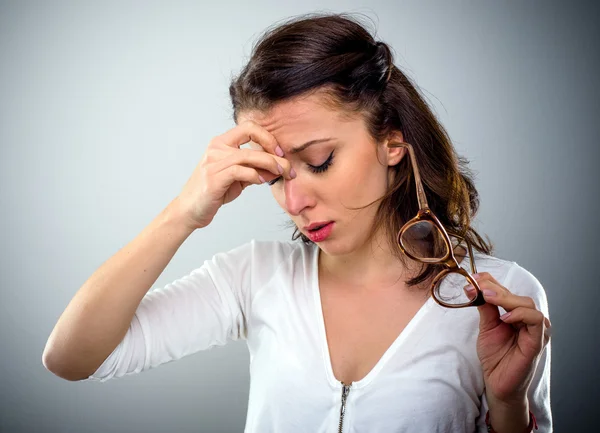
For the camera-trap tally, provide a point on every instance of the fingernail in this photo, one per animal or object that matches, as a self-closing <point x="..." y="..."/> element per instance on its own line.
<point x="262" y="179"/>
<point x="279" y="151"/>
<point x="280" y="168"/>
<point x="469" y="288"/>
<point x="292" y="174"/>
<point x="489" y="293"/>
<point x="505" y="315"/>
<point x="476" y="276"/>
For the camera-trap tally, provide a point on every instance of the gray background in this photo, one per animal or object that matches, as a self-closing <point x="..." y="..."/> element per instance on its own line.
<point x="107" y="107"/>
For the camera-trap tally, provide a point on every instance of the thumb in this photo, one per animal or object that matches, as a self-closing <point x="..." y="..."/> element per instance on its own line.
<point x="489" y="316"/>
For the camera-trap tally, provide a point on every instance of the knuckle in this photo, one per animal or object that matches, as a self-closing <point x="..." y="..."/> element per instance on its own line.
<point x="287" y="165"/>
<point x="209" y="157"/>
<point x="483" y="276"/>
<point x="535" y="315"/>
<point x="218" y="155"/>
<point x="284" y="163"/>
<point x="254" y="131"/>
<point x="486" y="284"/>
<point x="245" y="153"/>
<point x="517" y="312"/>
<point x="530" y="302"/>
<point x="247" y="123"/>
<point x="272" y="140"/>
<point x="216" y="141"/>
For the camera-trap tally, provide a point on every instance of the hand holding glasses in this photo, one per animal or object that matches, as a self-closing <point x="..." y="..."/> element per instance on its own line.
<point x="508" y="345"/>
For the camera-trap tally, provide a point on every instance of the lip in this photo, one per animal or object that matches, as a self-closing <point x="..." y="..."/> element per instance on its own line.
<point x="317" y="224"/>
<point x="321" y="234"/>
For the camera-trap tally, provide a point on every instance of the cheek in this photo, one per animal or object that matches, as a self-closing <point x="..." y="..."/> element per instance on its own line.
<point x="364" y="180"/>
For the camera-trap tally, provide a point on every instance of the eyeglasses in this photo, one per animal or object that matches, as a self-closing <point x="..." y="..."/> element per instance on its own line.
<point x="425" y="240"/>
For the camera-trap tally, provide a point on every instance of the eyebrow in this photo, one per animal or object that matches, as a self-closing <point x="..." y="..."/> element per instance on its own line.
<point x="308" y="144"/>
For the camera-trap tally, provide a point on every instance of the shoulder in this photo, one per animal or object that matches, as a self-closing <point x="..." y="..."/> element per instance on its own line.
<point x="263" y="250"/>
<point x="263" y="256"/>
<point x="514" y="277"/>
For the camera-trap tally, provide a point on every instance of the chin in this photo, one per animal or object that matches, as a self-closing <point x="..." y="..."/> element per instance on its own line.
<point x="341" y="244"/>
<point x="336" y="247"/>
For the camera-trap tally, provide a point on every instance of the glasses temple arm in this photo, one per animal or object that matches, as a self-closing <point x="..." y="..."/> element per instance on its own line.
<point x="413" y="159"/>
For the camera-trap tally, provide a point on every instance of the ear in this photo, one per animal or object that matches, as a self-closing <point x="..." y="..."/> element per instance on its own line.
<point x="395" y="154"/>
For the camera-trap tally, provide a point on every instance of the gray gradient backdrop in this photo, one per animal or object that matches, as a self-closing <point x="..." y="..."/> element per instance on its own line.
<point x="106" y="108"/>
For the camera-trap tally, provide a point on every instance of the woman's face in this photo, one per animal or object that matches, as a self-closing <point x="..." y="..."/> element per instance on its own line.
<point x="344" y="168"/>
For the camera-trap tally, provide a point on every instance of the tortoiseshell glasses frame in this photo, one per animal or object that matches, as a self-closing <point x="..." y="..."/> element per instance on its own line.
<point x="448" y="260"/>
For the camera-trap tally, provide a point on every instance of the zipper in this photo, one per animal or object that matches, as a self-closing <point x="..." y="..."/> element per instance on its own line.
<point x="345" y="392"/>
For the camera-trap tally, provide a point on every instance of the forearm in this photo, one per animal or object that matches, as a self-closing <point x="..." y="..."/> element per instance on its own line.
<point x="98" y="316"/>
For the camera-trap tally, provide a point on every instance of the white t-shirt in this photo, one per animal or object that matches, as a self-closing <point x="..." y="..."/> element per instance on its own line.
<point x="429" y="379"/>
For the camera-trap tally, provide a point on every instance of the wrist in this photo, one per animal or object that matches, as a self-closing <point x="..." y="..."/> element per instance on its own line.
<point x="176" y="214"/>
<point x="509" y="417"/>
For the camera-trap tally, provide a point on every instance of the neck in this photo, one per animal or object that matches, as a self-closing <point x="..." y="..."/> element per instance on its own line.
<point x="373" y="265"/>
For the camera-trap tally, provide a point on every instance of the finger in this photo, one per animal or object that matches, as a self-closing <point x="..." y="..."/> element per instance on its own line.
<point x="250" y="131"/>
<point x="241" y="174"/>
<point x="269" y="166"/>
<point x="547" y="330"/>
<point x="489" y="317"/>
<point x="486" y="276"/>
<point x="220" y="160"/>
<point x="262" y="160"/>
<point x="533" y="319"/>
<point x="526" y="315"/>
<point x="497" y="295"/>
<point x="489" y="314"/>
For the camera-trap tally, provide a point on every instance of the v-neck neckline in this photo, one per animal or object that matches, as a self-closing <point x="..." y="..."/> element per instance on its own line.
<point x="390" y="351"/>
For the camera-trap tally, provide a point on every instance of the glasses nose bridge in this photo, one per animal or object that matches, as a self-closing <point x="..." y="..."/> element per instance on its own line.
<point x="451" y="263"/>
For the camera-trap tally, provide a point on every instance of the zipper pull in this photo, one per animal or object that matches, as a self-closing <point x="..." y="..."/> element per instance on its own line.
<point x="345" y="392"/>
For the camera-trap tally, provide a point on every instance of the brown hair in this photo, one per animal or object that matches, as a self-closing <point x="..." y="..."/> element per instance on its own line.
<point x="337" y="55"/>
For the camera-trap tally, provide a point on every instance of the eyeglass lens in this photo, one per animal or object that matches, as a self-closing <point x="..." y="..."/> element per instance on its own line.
<point x="423" y="240"/>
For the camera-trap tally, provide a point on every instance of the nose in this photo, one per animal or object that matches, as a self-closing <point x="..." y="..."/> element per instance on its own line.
<point x="298" y="196"/>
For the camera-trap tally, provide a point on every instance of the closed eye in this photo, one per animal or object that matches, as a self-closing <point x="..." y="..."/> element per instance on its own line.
<point x="315" y="169"/>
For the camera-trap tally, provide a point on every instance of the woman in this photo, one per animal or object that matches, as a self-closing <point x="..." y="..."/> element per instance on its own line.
<point x="359" y="327"/>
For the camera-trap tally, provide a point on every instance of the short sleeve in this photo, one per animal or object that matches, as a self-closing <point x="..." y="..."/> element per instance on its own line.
<point x="197" y="312"/>
<point x="523" y="283"/>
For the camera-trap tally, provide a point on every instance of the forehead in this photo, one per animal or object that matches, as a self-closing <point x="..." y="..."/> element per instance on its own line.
<point x="303" y="118"/>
